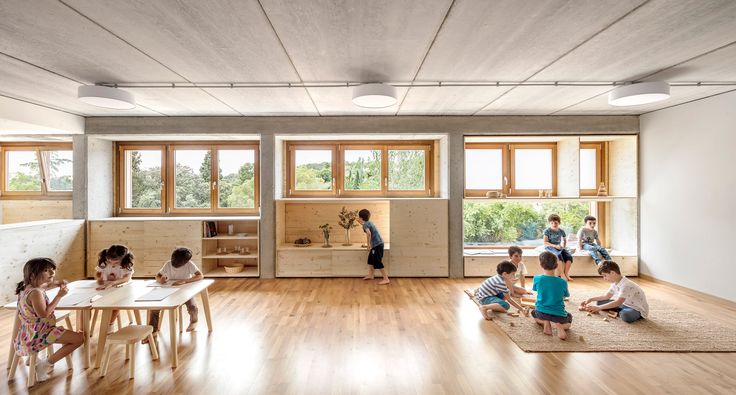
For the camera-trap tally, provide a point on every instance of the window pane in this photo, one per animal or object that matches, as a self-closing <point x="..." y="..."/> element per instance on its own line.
<point x="483" y="169"/>
<point x="143" y="179"/>
<point x="313" y="170"/>
<point x="236" y="178"/>
<point x="192" y="178"/>
<point x="23" y="174"/>
<point x="60" y="170"/>
<point x="363" y="170"/>
<point x="406" y="170"/>
<point x="533" y="168"/>
<point x="517" y="223"/>
<point x="588" y="169"/>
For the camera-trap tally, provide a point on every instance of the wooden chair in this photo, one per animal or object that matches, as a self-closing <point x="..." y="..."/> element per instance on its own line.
<point x="34" y="356"/>
<point x="129" y="336"/>
<point x="93" y="321"/>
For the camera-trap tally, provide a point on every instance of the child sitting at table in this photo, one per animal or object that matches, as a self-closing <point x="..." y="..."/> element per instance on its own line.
<point x="114" y="267"/>
<point x="180" y="270"/>
<point x="38" y="328"/>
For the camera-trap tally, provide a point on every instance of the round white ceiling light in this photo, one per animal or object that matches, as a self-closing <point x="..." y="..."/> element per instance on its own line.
<point x="107" y="97"/>
<point x="374" y="95"/>
<point x="640" y="93"/>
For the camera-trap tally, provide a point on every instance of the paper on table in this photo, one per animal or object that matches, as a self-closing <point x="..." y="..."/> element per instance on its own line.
<point x="154" y="283"/>
<point x="157" y="294"/>
<point x="75" y="299"/>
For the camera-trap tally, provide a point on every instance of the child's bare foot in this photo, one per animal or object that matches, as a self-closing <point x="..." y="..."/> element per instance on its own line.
<point x="487" y="314"/>
<point x="368" y="278"/>
<point x="547" y="328"/>
<point x="384" y="281"/>
<point x="569" y="279"/>
<point x="561" y="333"/>
<point x="192" y="326"/>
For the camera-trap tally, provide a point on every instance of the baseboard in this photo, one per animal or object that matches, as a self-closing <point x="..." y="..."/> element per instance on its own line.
<point x="711" y="298"/>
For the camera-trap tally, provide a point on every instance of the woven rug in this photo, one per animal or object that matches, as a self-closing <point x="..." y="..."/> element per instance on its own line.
<point x="668" y="329"/>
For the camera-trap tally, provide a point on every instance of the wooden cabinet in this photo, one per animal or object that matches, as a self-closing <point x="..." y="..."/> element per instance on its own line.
<point x="315" y="261"/>
<point x="239" y="248"/>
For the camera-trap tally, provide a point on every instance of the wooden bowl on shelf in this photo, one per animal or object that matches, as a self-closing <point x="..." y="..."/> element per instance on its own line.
<point x="232" y="269"/>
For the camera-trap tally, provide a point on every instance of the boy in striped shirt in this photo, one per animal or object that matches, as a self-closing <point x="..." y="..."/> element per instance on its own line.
<point x="493" y="294"/>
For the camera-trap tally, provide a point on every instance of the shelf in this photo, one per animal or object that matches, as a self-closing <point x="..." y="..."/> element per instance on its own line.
<point x="231" y="256"/>
<point x="254" y="237"/>
<point x="335" y="247"/>
<point x="248" y="271"/>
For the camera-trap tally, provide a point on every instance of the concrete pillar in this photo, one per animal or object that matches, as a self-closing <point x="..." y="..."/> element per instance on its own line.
<point x="267" y="250"/>
<point x="99" y="188"/>
<point x="456" y="175"/>
<point x="79" y="177"/>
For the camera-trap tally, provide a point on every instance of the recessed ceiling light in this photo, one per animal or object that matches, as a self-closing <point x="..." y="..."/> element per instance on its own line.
<point x="107" y="97"/>
<point x="374" y="95"/>
<point x="641" y="93"/>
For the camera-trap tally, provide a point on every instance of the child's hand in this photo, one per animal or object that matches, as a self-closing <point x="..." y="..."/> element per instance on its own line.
<point x="594" y="309"/>
<point x="100" y="281"/>
<point x="63" y="290"/>
<point x="180" y="282"/>
<point x="162" y="279"/>
<point x="584" y="303"/>
<point x="103" y="287"/>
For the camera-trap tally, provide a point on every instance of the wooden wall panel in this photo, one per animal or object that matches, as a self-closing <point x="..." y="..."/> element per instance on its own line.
<point x="419" y="234"/>
<point x="102" y="234"/>
<point x="63" y="241"/>
<point x="325" y="262"/>
<point x="302" y="219"/>
<point x="15" y="211"/>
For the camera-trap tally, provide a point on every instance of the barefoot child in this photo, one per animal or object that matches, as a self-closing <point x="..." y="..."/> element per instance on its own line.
<point x="114" y="267"/>
<point x="494" y="293"/>
<point x="515" y="258"/>
<point x="375" y="247"/>
<point x="623" y="296"/>
<point x="589" y="242"/>
<point x="551" y="291"/>
<point x="554" y="242"/>
<point x="38" y="328"/>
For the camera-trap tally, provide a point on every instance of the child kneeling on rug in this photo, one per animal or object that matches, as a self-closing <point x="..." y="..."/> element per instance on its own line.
<point x="624" y="296"/>
<point x="493" y="294"/>
<point x="551" y="292"/>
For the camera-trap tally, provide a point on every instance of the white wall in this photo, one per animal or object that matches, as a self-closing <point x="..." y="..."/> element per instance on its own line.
<point x="688" y="189"/>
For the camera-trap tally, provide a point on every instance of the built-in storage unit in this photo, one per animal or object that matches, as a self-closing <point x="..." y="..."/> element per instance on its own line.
<point x="414" y="232"/>
<point x="153" y="239"/>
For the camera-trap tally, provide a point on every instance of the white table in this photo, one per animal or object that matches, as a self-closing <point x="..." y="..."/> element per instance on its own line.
<point x="125" y="297"/>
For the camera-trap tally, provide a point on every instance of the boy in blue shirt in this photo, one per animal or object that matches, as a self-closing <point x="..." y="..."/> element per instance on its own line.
<point x="494" y="293"/>
<point x="551" y="292"/>
<point x="554" y="242"/>
<point x="375" y="247"/>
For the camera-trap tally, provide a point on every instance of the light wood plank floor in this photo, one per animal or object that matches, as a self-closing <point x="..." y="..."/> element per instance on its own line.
<point x="415" y="336"/>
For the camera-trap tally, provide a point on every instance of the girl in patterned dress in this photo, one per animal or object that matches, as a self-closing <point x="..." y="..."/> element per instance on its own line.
<point x="38" y="328"/>
<point x="114" y="267"/>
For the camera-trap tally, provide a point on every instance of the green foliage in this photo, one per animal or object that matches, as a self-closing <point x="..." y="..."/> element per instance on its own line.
<point x="516" y="222"/>
<point x="145" y="184"/>
<point x="406" y="170"/>
<point x="25" y="182"/>
<point x="314" y="176"/>
<point x="362" y="174"/>
<point x="30" y="181"/>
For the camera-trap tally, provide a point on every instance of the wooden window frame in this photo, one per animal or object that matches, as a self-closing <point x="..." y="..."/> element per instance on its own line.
<point x="601" y="165"/>
<point x="338" y="149"/>
<point x="168" y="151"/>
<point x="508" y="168"/>
<point x="44" y="193"/>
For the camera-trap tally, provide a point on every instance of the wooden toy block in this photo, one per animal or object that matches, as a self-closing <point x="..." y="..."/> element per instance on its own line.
<point x="513" y="314"/>
<point x="613" y="314"/>
<point x="605" y="319"/>
<point x="589" y="314"/>
<point x="527" y="304"/>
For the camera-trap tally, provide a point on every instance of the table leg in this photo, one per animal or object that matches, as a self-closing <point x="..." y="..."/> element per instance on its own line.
<point x="106" y="314"/>
<point x="85" y="314"/>
<point x="172" y="337"/>
<point x="137" y="314"/>
<point x="206" y="305"/>
<point x="16" y="327"/>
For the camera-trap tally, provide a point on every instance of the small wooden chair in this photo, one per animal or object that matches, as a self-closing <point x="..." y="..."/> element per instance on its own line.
<point x="34" y="356"/>
<point x="129" y="336"/>
<point x="93" y="321"/>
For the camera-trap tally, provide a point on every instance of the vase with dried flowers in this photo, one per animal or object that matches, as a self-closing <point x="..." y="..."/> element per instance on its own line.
<point x="326" y="228"/>
<point x="348" y="221"/>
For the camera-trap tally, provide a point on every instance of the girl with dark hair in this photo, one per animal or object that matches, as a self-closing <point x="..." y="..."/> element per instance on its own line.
<point x="38" y="328"/>
<point x="114" y="267"/>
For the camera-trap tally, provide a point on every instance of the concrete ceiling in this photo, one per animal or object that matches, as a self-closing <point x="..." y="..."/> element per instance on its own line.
<point x="48" y="48"/>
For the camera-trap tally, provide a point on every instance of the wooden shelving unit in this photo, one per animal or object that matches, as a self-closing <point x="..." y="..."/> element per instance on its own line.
<point x="245" y="235"/>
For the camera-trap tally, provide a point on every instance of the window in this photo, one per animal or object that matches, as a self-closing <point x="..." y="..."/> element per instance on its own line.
<point x="514" y="169"/>
<point x="37" y="171"/>
<point x="359" y="169"/>
<point x="592" y="168"/>
<point x="187" y="178"/>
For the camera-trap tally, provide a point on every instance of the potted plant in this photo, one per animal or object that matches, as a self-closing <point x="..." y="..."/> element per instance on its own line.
<point x="348" y="221"/>
<point x="326" y="228"/>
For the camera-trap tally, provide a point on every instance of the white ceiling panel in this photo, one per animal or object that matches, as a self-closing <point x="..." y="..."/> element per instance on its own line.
<point x="339" y="101"/>
<point x="362" y="41"/>
<point x="449" y="100"/>
<point x="510" y="39"/>
<point x="181" y="101"/>
<point x="25" y="82"/>
<point x="658" y="35"/>
<point x="50" y="35"/>
<point x="540" y="100"/>
<point x="267" y="102"/>
<point x="204" y="41"/>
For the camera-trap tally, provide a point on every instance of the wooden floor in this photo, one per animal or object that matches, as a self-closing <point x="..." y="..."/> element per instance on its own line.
<point x="415" y="336"/>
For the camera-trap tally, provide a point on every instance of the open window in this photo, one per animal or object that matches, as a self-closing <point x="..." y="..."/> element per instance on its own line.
<point x="37" y="171"/>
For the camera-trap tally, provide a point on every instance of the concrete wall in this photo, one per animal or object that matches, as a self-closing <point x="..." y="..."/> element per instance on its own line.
<point x="687" y="190"/>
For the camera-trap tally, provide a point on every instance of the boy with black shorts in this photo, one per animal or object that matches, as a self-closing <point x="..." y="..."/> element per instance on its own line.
<point x="375" y="247"/>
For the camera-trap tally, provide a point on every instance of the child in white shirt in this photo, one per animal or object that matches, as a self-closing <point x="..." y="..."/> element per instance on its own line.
<point x="623" y="296"/>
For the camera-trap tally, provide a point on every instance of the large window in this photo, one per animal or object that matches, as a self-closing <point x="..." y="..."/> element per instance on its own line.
<point x="37" y="171"/>
<point x="514" y="169"/>
<point x="592" y="168"/>
<point x="334" y="169"/>
<point x="187" y="178"/>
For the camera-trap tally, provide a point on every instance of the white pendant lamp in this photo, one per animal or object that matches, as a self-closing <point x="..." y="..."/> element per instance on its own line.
<point x="640" y="93"/>
<point x="107" y="97"/>
<point x="374" y="95"/>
